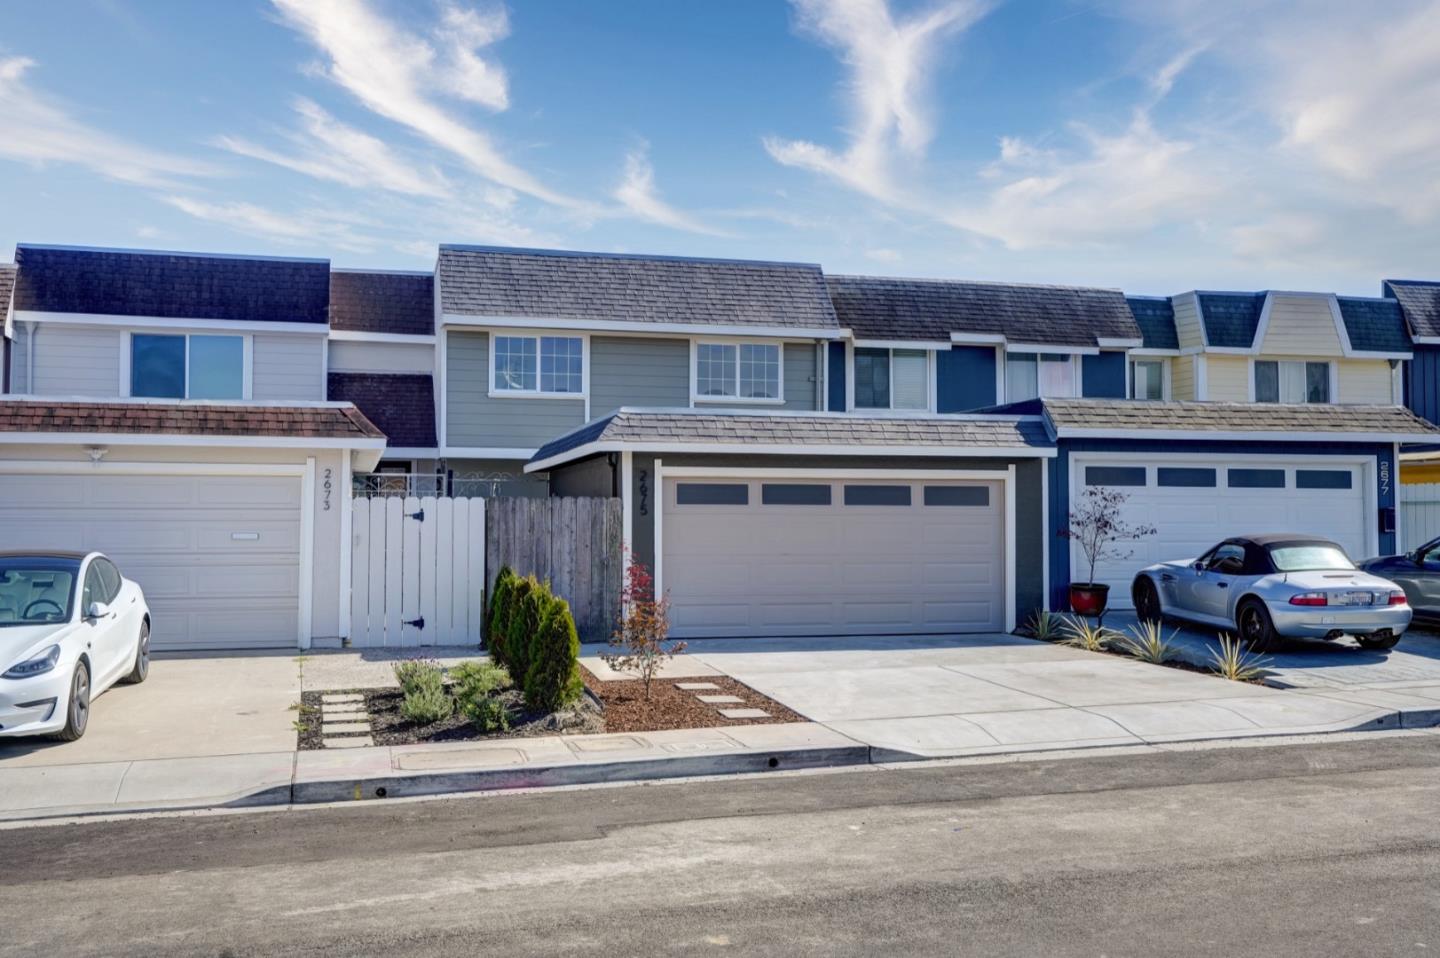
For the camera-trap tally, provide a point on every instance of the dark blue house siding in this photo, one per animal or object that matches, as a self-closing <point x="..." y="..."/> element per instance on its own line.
<point x="1102" y="376"/>
<point x="1058" y="498"/>
<point x="1422" y="382"/>
<point x="835" y="375"/>
<point x="965" y="378"/>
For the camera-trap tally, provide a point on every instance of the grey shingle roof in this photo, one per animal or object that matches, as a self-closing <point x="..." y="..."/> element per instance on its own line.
<point x="382" y="302"/>
<point x="1156" y="318"/>
<point x="1420" y="302"/>
<point x="876" y="307"/>
<point x="63" y="279"/>
<point x="1231" y="318"/>
<point x="401" y="406"/>
<point x="1128" y="417"/>
<point x="7" y="286"/>
<point x="1374" y="325"/>
<point x="552" y="284"/>
<point x="759" y="430"/>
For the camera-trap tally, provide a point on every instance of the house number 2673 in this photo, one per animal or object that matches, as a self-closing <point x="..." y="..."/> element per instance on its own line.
<point x="327" y="486"/>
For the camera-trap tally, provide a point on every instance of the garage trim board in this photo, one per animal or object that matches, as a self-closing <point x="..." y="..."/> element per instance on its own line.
<point x="1003" y="478"/>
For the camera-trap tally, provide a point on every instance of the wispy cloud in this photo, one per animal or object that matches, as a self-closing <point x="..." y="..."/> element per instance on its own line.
<point x="399" y="75"/>
<point x="40" y="131"/>
<point x="638" y="194"/>
<point x="890" y="63"/>
<point x="310" y="228"/>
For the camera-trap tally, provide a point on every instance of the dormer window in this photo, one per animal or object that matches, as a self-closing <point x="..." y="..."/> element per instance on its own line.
<point x="187" y="366"/>
<point x="1037" y="375"/>
<point x="892" y="378"/>
<point x="1283" y="381"/>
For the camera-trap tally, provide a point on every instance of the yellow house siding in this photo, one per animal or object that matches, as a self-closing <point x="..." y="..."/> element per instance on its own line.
<point x="1187" y="321"/>
<point x="1301" y="326"/>
<point x="1227" y="378"/>
<point x="1364" y="381"/>
<point x="1182" y="378"/>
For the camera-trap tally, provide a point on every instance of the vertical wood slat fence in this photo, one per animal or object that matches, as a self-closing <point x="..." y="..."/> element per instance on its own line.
<point x="1419" y="514"/>
<point x="576" y="543"/>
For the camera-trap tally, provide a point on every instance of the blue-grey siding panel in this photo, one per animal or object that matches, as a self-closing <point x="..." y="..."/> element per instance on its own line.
<point x="800" y="376"/>
<point x="638" y="371"/>
<point x="965" y="378"/>
<point x="474" y="418"/>
<point x="835" y="374"/>
<point x="1102" y="376"/>
<point x="1422" y="382"/>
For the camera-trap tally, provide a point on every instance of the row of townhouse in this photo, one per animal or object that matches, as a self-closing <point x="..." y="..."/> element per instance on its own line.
<point x="796" y="453"/>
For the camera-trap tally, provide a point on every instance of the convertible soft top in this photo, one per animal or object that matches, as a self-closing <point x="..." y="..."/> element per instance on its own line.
<point x="1282" y="538"/>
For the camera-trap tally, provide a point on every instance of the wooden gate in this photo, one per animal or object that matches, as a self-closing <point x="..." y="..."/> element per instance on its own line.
<point x="1419" y="514"/>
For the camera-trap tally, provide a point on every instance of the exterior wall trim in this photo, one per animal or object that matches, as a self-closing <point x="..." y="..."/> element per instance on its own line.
<point x="671" y="329"/>
<point x="753" y="449"/>
<point x="166" y="322"/>
<point x="359" y="336"/>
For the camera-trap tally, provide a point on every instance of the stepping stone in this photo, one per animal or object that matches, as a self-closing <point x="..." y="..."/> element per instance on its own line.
<point x="342" y="728"/>
<point x="345" y="708"/>
<point x="336" y="699"/>
<point x="354" y="741"/>
<point x="719" y="699"/>
<point x="744" y="713"/>
<point x="696" y="686"/>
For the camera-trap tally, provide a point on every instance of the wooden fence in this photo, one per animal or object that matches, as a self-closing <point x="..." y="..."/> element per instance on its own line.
<point x="575" y="543"/>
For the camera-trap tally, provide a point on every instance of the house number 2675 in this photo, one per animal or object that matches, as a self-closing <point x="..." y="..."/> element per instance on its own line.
<point x="327" y="486"/>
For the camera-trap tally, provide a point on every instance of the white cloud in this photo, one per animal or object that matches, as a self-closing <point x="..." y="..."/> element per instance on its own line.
<point x="327" y="149"/>
<point x="311" y="228"/>
<point x="889" y="62"/>
<point x="883" y="255"/>
<point x="470" y="77"/>
<point x="39" y="131"/>
<point x="638" y="194"/>
<point x="393" y="72"/>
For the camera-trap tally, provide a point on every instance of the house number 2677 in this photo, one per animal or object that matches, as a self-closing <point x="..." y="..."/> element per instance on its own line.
<point x="327" y="486"/>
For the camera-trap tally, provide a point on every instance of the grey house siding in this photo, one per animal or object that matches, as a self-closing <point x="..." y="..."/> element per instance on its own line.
<point x="589" y="477"/>
<point x="638" y="371"/>
<point x="474" y="419"/>
<point x="76" y="361"/>
<point x="287" y="367"/>
<point x="19" y="350"/>
<point x="800" y="376"/>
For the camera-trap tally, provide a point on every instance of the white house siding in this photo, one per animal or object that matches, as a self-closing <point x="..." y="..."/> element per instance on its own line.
<point x="638" y="371"/>
<point x="365" y="357"/>
<point x="1301" y="326"/>
<point x="1227" y="378"/>
<point x="476" y="419"/>
<point x="288" y="367"/>
<point x="1187" y="321"/>
<point x="76" y="360"/>
<point x="800" y="376"/>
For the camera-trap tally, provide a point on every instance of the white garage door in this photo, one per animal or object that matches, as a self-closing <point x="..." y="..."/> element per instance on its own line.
<point x="217" y="556"/>
<point x="761" y="557"/>
<point x="1193" y="504"/>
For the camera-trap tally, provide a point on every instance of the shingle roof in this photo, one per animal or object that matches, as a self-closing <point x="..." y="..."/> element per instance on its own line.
<point x="1231" y="318"/>
<point x="382" y="302"/>
<point x="7" y="286"/>
<point x="1374" y="325"/>
<point x="876" y="307"/>
<point x="198" y="419"/>
<point x="62" y="279"/>
<point x="758" y="430"/>
<point x="1156" y="318"/>
<point x="550" y="284"/>
<point x="1128" y="417"/>
<point x="402" y="406"/>
<point x="1420" y="302"/>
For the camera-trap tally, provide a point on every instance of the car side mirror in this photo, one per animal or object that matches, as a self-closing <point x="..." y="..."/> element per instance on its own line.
<point x="1199" y="567"/>
<point x="97" y="610"/>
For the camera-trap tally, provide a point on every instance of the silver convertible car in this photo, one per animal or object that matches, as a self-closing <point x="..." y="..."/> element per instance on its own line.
<point x="1266" y="586"/>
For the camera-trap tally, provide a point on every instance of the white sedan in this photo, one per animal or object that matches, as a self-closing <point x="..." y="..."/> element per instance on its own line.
<point x="71" y="626"/>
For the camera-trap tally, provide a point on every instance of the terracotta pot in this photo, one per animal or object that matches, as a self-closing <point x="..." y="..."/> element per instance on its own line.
<point x="1089" y="598"/>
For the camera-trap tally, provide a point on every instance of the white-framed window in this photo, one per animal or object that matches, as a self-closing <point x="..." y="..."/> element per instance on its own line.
<point x="738" y="372"/>
<point x="891" y="378"/>
<point x="1037" y="375"/>
<point x="533" y="365"/>
<point x="187" y="366"/>
<point x="1291" y="381"/>
<point x="1147" y="379"/>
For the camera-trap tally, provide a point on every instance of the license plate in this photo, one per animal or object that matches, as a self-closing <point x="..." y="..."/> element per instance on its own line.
<point x="1355" y="598"/>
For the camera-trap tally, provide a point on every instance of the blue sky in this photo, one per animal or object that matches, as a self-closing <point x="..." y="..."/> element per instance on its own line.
<point x="1154" y="145"/>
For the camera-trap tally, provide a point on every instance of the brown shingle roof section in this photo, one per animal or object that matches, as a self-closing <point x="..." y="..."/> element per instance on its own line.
<point x="402" y="406"/>
<point x="7" y="286"/>
<point x="878" y="307"/>
<point x="1122" y="416"/>
<point x="382" y="302"/>
<point x="556" y="284"/>
<point x="189" y="419"/>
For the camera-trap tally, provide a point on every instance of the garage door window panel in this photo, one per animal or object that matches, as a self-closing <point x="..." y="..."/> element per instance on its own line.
<point x="712" y="494"/>
<point x="866" y="495"/>
<point x="957" y="496"/>
<point x="794" y="494"/>
<point x="1323" y="479"/>
<point x="1256" y="478"/>
<point x="1185" y="477"/>
<point x="1114" y="475"/>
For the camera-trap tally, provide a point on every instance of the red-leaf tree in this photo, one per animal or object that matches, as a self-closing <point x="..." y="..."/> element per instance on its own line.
<point x="640" y="635"/>
<point x="1096" y="523"/>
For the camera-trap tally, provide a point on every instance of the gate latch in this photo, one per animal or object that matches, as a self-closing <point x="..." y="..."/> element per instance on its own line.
<point x="418" y="515"/>
<point x="417" y="623"/>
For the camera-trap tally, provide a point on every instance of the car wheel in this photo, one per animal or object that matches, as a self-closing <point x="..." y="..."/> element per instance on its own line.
<point x="142" y="657"/>
<point x="1377" y="641"/>
<point x="77" y="711"/>
<point x="1256" y="628"/>
<point x="1147" y="602"/>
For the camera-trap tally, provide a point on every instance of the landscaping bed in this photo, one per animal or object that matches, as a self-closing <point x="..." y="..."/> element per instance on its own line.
<point x="670" y="707"/>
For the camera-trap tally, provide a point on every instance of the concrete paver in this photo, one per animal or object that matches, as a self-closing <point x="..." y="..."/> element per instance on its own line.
<point x="852" y="694"/>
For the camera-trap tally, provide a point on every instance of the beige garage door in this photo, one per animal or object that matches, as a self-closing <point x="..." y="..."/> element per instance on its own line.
<point x="217" y="556"/>
<point x="761" y="557"/>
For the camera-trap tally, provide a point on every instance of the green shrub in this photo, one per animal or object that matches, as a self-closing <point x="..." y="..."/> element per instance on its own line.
<point x="486" y="713"/>
<point x="531" y="601"/>
<point x="478" y="678"/>
<point x="497" y="616"/>
<point x="1043" y="625"/>
<point x="410" y="673"/>
<point x="427" y="701"/>
<point x="553" y="679"/>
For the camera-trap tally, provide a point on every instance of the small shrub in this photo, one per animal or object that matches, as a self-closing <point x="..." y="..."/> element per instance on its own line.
<point x="1043" y="625"/>
<point x="1233" y="662"/>
<point x="644" y="624"/>
<point x="529" y="603"/>
<point x="486" y="713"/>
<point x="1148" y="643"/>
<point x="497" y="616"/>
<point x="411" y="673"/>
<point x="478" y="679"/>
<point x="1081" y="634"/>
<point x="427" y="701"/>
<point x="553" y="680"/>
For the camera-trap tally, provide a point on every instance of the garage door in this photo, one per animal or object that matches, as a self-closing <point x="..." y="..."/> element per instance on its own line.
<point x="761" y="557"/>
<point x="1195" y="503"/>
<point x="217" y="556"/>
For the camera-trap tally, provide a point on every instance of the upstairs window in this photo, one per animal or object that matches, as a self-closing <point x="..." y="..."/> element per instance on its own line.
<point x="892" y="378"/>
<point x="742" y="371"/>
<point x="1284" y="381"/>
<point x="187" y="367"/>
<point x="539" y="365"/>
<point x="1037" y="375"/>
<point x="1147" y="379"/>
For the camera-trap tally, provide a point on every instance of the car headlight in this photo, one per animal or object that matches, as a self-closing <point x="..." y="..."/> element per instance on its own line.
<point x="35" y="665"/>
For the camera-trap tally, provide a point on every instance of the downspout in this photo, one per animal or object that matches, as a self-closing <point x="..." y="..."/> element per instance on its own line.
<point x="821" y="371"/>
<point x="30" y="357"/>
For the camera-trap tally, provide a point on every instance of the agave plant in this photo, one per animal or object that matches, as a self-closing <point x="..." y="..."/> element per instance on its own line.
<point x="1082" y="634"/>
<point x="1233" y="662"/>
<point x="1044" y="626"/>
<point x="1148" y="643"/>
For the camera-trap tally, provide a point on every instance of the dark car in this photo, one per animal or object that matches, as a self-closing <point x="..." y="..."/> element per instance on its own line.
<point x="1418" y="573"/>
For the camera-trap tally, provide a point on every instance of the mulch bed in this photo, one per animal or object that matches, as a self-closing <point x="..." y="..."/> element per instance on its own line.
<point x="669" y="707"/>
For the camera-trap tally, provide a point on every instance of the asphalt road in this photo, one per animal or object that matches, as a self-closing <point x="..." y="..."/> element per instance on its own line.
<point x="1306" y="850"/>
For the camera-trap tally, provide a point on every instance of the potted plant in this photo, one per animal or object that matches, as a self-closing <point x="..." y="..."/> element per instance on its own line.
<point x="1096" y="524"/>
